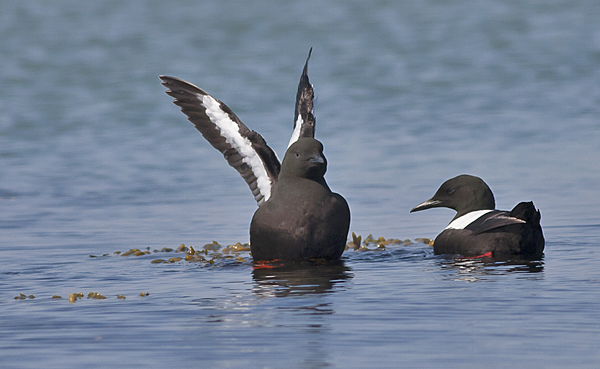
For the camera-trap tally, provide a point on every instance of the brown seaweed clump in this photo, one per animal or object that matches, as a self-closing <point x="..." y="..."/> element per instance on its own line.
<point x="371" y="243"/>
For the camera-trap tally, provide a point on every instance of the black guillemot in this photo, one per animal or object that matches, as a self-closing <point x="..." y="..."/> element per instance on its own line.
<point x="478" y="229"/>
<point x="298" y="216"/>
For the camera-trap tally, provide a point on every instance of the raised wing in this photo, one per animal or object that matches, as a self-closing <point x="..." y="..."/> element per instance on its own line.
<point x="493" y="219"/>
<point x="244" y="149"/>
<point x="304" y="120"/>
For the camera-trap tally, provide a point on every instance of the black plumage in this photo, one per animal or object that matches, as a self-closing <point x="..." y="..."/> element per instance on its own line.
<point x="303" y="219"/>
<point x="298" y="216"/>
<point x="478" y="229"/>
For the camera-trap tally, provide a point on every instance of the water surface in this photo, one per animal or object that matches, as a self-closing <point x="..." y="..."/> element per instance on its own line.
<point x="96" y="159"/>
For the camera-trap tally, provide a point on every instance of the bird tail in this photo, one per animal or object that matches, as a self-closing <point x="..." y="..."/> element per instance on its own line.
<point x="526" y="211"/>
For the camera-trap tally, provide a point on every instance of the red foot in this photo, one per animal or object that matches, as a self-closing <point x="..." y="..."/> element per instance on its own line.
<point x="267" y="264"/>
<point x="486" y="255"/>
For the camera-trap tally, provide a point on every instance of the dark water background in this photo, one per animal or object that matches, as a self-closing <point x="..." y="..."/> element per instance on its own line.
<point x="95" y="159"/>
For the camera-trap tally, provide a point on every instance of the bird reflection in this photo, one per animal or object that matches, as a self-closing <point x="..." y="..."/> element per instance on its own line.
<point x="299" y="278"/>
<point x="472" y="270"/>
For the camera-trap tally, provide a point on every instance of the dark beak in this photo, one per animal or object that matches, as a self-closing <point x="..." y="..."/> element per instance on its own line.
<point x="317" y="159"/>
<point x="431" y="203"/>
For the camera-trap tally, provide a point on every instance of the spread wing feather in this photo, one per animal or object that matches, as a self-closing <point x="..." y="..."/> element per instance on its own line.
<point x="304" y="119"/>
<point x="244" y="149"/>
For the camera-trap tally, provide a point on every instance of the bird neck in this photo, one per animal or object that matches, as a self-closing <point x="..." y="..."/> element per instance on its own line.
<point x="286" y="180"/>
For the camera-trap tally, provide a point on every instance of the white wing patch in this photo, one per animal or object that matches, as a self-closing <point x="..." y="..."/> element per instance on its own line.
<point x="465" y="220"/>
<point x="230" y="130"/>
<point x="296" y="132"/>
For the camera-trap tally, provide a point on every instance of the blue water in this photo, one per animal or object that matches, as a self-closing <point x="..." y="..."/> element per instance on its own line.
<point x="95" y="159"/>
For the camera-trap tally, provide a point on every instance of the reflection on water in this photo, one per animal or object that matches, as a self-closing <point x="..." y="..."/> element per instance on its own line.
<point x="473" y="270"/>
<point x="296" y="279"/>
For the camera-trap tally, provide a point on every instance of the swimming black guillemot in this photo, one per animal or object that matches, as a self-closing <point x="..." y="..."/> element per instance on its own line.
<point x="480" y="230"/>
<point x="298" y="216"/>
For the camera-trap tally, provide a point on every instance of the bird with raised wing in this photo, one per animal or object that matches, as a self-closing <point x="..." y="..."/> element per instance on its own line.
<point x="298" y="216"/>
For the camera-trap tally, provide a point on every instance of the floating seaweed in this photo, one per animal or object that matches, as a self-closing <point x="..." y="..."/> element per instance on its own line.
<point x="371" y="243"/>
<point x="427" y="241"/>
<point x="135" y="252"/>
<point x="75" y="296"/>
<point x="22" y="296"/>
<point x="215" y="254"/>
<point x="95" y="295"/>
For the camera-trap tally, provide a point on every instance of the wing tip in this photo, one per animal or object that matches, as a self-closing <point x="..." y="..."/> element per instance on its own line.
<point x="180" y="85"/>
<point x="164" y="79"/>
<point x="307" y="59"/>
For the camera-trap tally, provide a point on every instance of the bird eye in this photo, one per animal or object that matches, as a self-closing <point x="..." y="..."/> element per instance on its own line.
<point x="451" y="191"/>
<point x="297" y="154"/>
